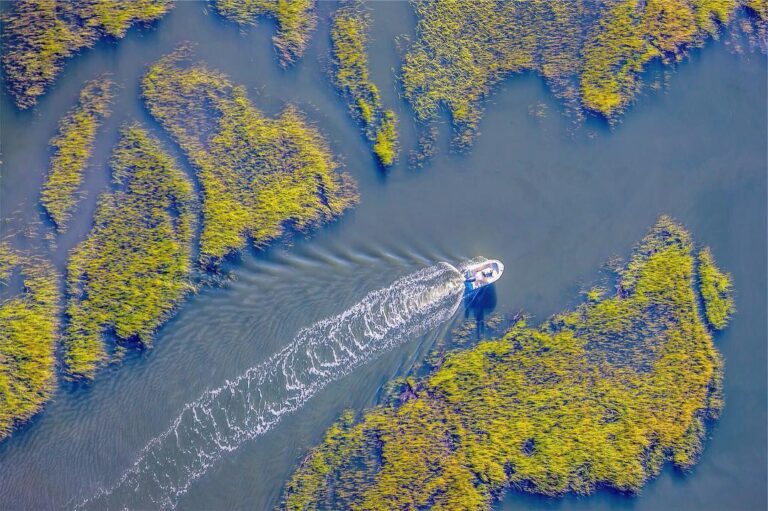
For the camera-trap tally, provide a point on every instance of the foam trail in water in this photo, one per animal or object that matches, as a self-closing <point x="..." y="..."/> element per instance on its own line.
<point x="244" y="408"/>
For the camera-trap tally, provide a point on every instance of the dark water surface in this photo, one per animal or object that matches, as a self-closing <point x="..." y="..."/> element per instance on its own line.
<point x="555" y="206"/>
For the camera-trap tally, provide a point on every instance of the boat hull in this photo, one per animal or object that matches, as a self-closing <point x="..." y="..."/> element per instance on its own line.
<point x="480" y="275"/>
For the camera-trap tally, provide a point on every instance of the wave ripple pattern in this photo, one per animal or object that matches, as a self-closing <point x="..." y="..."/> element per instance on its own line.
<point x="251" y="404"/>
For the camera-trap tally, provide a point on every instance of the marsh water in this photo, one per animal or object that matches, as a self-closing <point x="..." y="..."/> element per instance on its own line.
<point x="552" y="202"/>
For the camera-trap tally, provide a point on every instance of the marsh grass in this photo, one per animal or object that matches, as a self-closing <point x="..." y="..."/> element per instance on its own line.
<point x="296" y="21"/>
<point x="258" y="175"/>
<point x="72" y="150"/>
<point x="133" y="269"/>
<point x="29" y="324"/>
<point x="590" y="53"/>
<point x="349" y="38"/>
<point x="716" y="289"/>
<point x="39" y="34"/>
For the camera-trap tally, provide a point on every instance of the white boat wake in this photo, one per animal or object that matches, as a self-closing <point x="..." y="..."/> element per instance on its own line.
<point x="251" y="404"/>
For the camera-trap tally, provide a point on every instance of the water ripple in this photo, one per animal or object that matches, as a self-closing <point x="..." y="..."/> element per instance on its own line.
<point x="246" y="407"/>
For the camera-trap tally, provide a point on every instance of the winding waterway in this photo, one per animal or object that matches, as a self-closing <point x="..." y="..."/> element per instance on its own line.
<point x="552" y="203"/>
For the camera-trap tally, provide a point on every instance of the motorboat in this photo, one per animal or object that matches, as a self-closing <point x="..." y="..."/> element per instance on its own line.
<point x="479" y="275"/>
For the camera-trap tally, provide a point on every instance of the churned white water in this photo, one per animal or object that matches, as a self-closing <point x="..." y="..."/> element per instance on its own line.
<point x="222" y="419"/>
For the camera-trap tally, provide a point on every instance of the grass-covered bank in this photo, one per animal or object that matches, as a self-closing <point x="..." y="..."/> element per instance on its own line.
<point x="349" y="38"/>
<point x="39" y="34"/>
<point x="29" y="324"/>
<point x="258" y="175"/>
<point x="590" y="53"/>
<point x="296" y="21"/>
<point x="604" y="395"/>
<point x="72" y="150"/>
<point x="133" y="269"/>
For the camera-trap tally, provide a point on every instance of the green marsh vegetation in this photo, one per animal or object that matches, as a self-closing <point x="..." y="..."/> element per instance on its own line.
<point x="716" y="291"/>
<point x="29" y="324"/>
<point x="349" y="36"/>
<point x="39" y="34"/>
<point x="296" y="20"/>
<point x="601" y="396"/>
<point x="258" y="175"/>
<point x="590" y="53"/>
<point x="72" y="150"/>
<point x="134" y="267"/>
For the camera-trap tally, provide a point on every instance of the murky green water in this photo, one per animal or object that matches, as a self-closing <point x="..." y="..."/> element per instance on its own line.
<point x="555" y="206"/>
